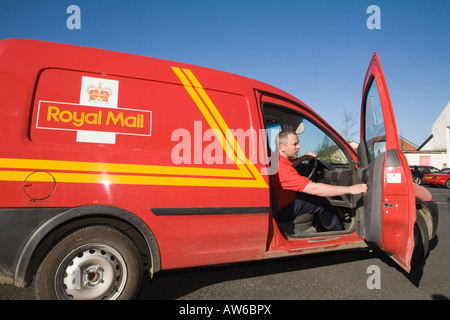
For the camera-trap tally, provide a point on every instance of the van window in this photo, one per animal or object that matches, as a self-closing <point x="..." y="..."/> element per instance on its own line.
<point x="311" y="137"/>
<point x="273" y="129"/>
<point x="375" y="132"/>
<point x="315" y="140"/>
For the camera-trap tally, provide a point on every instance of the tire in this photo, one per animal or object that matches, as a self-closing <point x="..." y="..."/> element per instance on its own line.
<point x="417" y="180"/>
<point x="447" y="184"/>
<point x="92" y="263"/>
<point x="421" y="241"/>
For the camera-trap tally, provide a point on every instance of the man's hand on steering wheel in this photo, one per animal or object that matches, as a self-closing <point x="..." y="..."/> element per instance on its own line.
<point x="307" y="170"/>
<point x="307" y="157"/>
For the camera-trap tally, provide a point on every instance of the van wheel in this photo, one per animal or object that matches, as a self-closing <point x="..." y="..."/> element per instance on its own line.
<point x="95" y="262"/>
<point x="421" y="241"/>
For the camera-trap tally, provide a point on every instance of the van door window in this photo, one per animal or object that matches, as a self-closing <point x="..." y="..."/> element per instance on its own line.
<point x="311" y="137"/>
<point x="315" y="140"/>
<point x="375" y="132"/>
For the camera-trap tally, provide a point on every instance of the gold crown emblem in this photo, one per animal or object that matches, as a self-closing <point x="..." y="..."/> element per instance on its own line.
<point x="99" y="93"/>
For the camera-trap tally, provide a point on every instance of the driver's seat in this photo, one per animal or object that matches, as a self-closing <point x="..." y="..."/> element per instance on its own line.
<point x="301" y="224"/>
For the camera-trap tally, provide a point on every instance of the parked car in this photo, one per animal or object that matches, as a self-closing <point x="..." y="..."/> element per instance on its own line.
<point x="419" y="171"/>
<point x="438" y="178"/>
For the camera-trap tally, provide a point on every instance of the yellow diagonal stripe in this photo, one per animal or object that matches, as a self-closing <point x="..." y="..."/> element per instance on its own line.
<point x="215" y="120"/>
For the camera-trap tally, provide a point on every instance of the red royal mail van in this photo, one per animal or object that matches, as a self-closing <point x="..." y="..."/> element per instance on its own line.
<point x="113" y="165"/>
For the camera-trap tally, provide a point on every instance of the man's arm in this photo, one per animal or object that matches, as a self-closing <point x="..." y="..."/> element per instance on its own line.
<point x="327" y="190"/>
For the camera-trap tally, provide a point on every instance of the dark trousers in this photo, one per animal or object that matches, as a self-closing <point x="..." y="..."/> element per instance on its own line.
<point x="325" y="215"/>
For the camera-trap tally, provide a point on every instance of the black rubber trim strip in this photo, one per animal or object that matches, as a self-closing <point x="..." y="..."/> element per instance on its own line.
<point x="209" y="211"/>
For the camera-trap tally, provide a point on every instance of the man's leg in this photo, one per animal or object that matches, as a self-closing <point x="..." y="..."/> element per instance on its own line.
<point x="325" y="215"/>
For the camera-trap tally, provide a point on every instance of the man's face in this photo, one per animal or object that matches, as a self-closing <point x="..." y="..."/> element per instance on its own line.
<point x="290" y="150"/>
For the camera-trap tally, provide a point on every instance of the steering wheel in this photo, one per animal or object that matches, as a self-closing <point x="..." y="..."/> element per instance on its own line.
<point x="313" y="164"/>
<point x="310" y="169"/>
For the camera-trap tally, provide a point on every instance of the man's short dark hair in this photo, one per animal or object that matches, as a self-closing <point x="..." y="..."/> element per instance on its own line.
<point x="283" y="137"/>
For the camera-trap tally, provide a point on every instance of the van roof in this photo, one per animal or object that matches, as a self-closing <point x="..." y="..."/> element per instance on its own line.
<point x="13" y="53"/>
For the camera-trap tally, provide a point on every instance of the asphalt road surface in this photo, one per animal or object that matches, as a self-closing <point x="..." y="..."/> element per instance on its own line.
<point x="340" y="275"/>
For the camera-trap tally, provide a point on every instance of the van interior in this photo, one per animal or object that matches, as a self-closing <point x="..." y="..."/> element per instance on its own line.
<point x="333" y="165"/>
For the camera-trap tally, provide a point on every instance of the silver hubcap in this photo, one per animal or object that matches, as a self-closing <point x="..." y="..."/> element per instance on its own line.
<point x="93" y="271"/>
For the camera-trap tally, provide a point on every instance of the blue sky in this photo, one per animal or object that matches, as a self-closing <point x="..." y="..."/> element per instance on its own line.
<point x="316" y="50"/>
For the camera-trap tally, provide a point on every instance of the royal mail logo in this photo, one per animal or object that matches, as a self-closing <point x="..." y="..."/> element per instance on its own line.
<point x="75" y="117"/>
<point x="97" y="93"/>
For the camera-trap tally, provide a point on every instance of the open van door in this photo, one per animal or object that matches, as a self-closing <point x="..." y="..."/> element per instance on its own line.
<point x="388" y="215"/>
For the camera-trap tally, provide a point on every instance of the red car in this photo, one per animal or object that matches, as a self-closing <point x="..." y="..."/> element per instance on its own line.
<point x="114" y="165"/>
<point x="439" y="178"/>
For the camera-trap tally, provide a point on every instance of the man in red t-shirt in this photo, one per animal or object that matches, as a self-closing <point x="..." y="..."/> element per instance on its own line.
<point x="297" y="195"/>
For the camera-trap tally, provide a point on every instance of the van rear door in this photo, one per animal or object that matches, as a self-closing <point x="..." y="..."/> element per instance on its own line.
<point x="388" y="216"/>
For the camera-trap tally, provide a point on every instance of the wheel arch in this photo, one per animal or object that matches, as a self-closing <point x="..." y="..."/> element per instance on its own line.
<point x="428" y="210"/>
<point x="72" y="219"/>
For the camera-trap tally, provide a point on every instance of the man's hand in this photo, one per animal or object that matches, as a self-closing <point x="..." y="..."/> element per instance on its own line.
<point x="357" y="189"/>
<point x="306" y="157"/>
<point x="310" y="155"/>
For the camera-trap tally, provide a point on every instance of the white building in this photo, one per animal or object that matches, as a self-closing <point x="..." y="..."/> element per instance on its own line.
<point x="434" y="151"/>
